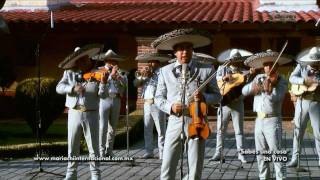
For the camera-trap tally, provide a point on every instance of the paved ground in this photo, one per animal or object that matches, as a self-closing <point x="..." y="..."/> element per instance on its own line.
<point x="150" y="168"/>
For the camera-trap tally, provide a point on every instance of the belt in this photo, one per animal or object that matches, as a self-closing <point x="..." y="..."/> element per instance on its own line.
<point x="82" y="108"/>
<point x="148" y="101"/>
<point x="114" y="95"/>
<point x="262" y="115"/>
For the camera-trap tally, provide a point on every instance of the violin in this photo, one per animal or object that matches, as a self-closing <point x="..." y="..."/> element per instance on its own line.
<point x="269" y="82"/>
<point x="198" y="127"/>
<point x="97" y="75"/>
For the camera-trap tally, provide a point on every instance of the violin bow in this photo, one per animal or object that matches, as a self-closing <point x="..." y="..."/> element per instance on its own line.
<point x="317" y="23"/>
<point x="283" y="48"/>
<point x="207" y="81"/>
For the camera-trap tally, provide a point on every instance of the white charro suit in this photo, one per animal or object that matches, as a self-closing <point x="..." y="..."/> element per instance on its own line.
<point x="109" y="112"/>
<point x="307" y="107"/>
<point x="169" y="92"/>
<point x="152" y="114"/>
<point x="268" y="127"/>
<point x="86" y="121"/>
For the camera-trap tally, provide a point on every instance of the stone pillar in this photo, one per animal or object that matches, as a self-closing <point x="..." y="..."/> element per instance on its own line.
<point x="143" y="46"/>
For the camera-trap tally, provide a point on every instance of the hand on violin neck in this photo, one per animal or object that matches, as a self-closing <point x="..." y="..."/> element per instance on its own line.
<point x="267" y="85"/>
<point x="256" y="89"/>
<point x="114" y="71"/>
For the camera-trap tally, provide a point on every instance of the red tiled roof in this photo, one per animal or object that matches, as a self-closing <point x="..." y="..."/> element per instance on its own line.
<point x="160" y="11"/>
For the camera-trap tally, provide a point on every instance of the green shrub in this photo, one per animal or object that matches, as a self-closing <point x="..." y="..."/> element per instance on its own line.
<point x="51" y="104"/>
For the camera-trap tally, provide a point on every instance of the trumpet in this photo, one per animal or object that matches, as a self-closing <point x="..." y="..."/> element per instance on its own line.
<point x="143" y="74"/>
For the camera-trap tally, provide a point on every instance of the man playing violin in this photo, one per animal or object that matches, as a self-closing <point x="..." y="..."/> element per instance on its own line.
<point x="152" y="115"/>
<point x="235" y="107"/>
<point x="268" y="90"/>
<point x="307" y="73"/>
<point x="83" y="103"/>
<point x="169" y="93"/>
<point x="109" y="108"/>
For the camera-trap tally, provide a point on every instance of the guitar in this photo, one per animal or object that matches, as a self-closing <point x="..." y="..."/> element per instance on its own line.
<point x="232" y="89"/>
<point x="225" y="86"/>
<point x="299" y="89"/>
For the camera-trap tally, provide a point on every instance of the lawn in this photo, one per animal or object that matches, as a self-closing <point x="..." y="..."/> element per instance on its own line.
<point x="18" y="132"/>
<point x="17" y="140"/>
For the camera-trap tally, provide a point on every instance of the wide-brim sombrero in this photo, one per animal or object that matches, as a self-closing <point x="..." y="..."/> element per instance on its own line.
<point x="88" y="50"/>
<point x="146" y="57"/>
<point x="204" y="58"/>
<point x="234" y="55"/>
<point x="309" y="56"/>
<point x="257" y="60"/>
<point x="200" y="57"/>
<point x="198" y="38"/>
<point x="109" y="55"/>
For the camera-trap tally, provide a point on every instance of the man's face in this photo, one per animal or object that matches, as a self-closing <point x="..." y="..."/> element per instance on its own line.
<point x="84" y="64"/>
<point x="110" y="62"/>
<point x="154" y="64"/>
<point x="183" y="52"/>
<point x="267" y="67"/>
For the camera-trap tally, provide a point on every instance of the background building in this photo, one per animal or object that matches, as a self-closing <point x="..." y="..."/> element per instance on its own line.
<point x="128" y="27"/>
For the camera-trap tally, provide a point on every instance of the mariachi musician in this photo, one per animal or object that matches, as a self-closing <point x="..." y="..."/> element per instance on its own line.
<point x="268" y="90"/>
<point x="185" y="72"/>
<point x="306" y="77"/>
<point x="148" y="78"/>
<point x="83" y="104"/>
<point x="109" y="108"/>
<point x="226" y="78"/>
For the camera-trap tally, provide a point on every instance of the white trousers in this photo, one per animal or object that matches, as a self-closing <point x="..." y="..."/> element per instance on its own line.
<point x="153" y="116"/>
<point x="88" y="123"/>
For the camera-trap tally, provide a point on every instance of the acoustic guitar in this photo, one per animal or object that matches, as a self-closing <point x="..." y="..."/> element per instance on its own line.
<point x="232" y="89"/>
<point x="226" y="86"/>
<point x="299" y="89"/>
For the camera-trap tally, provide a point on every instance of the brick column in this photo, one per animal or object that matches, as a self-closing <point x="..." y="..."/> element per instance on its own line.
<point x="143" y="46"/>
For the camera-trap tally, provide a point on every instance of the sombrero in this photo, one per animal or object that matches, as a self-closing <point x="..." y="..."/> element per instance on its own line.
<point x="309" y="56"/>
<point x="167" y="41"/>
<point x="234" y="55"/>
<point x="204" y="58"/>
<point x="257" y="60"/>
<point x="145" y="57"/>
<point x="199" y="57"/>
<point x="109" y="55"/>
<point x="88" y="50"/>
